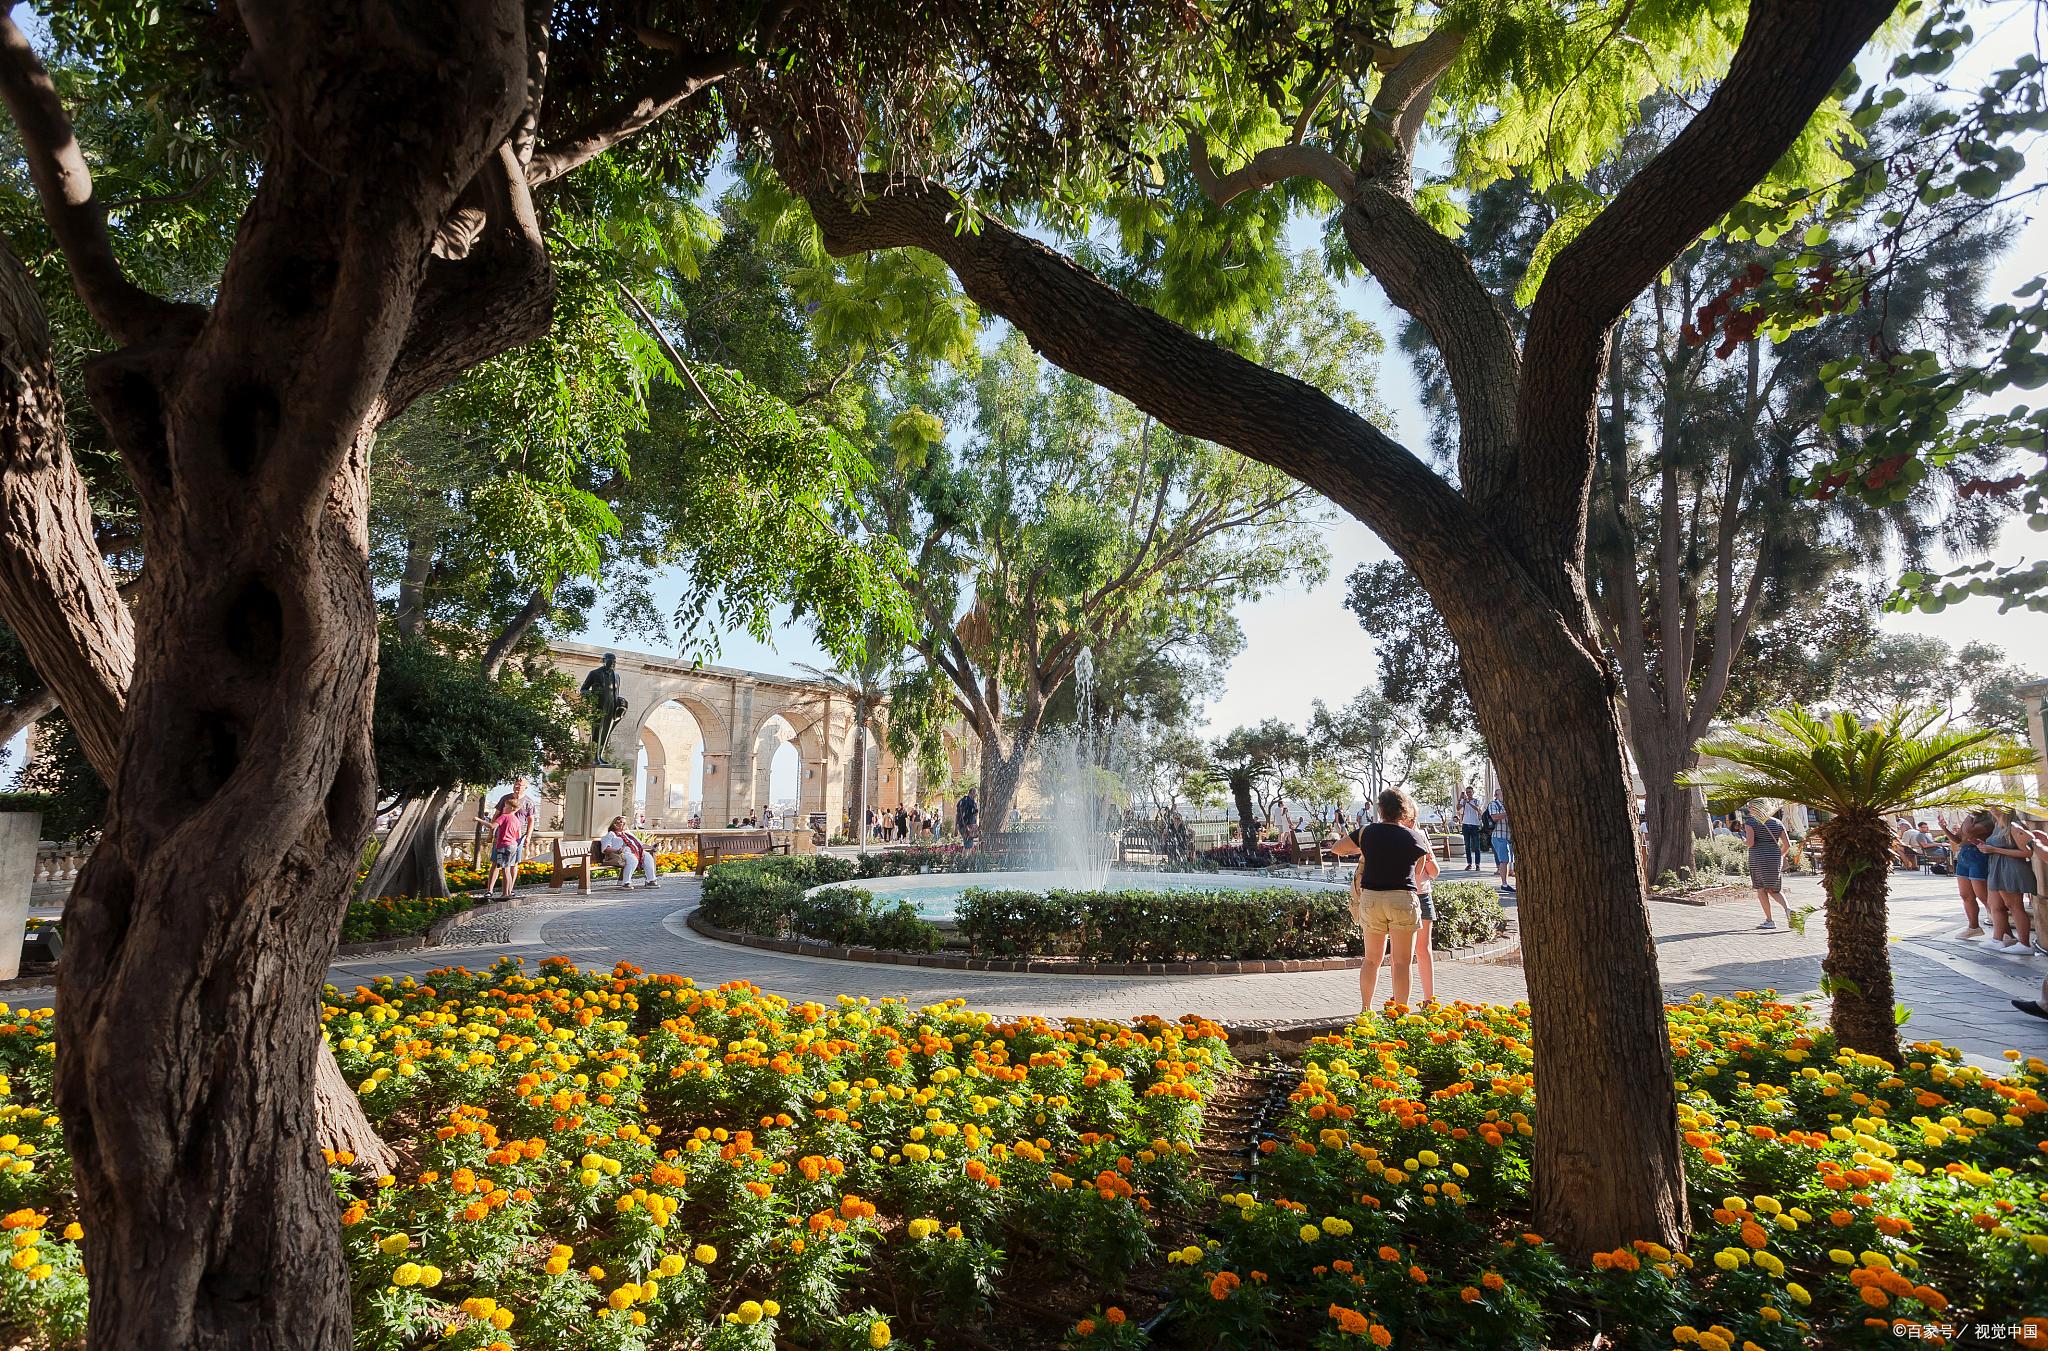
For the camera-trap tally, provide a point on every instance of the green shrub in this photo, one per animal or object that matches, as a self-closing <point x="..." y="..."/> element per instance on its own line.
<point x="1160" y="926"/>
<point x="1015" y="923"/>
<point x="766" y="896"/>
<point x="1719" y="854"/>
<point x="1467" y="914"/>
<point x="28" y="802"/>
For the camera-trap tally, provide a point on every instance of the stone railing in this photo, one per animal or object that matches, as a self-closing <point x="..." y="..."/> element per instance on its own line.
<point x="57" y="864"/>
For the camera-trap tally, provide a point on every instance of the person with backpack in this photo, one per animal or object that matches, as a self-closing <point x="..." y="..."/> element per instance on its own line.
<point x="966" y="817"/>
<point x="1502" y="843"/>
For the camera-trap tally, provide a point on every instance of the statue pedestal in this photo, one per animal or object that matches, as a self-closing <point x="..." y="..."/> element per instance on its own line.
<point x="594" y="796"/>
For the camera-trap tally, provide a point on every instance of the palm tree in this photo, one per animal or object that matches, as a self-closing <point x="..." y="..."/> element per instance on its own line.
<point x="862" y="680"/>
<point x="1907" y="761"/>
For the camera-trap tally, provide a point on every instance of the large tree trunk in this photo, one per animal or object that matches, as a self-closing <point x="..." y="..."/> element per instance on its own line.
<point x="410" y="864"/>
<point x="57" y="593"/>
<point x="1607" y="1168"/>
<point x="187" y="1030"/>
<point x="1002" y="774"/>
<point x="857" y="808"/>
<point x="1858" y="965"/>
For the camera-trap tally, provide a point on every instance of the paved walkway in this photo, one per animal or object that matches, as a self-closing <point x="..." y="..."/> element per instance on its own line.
<point x="1958" y="991"/>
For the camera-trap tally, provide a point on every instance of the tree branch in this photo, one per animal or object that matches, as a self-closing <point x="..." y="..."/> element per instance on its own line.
<point x="56" y="591"/>
<point x="1190" y="384"/>
<point x="64" y="188"/>
<point x="1274" y="164"/>
<point x="26" y="712"/>
<point x="1791" y="54"/>
<point x="674" y="84"/>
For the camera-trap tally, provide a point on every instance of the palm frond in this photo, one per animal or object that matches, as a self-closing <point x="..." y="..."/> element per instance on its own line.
<point x="1909" y="760"/>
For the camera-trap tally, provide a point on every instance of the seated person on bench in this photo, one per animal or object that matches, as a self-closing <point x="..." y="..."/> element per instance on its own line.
<point x="623" y="848"/>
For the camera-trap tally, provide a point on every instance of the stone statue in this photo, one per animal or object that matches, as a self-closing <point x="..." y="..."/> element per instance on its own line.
<point x="601" y="688"/>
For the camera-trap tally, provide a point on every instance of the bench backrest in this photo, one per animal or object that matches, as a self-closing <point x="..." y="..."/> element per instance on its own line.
<point x="759" y="843"/>
<point x="566" y="849"/>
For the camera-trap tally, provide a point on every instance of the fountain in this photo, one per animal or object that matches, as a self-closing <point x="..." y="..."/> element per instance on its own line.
<point x="1078" y="774"/>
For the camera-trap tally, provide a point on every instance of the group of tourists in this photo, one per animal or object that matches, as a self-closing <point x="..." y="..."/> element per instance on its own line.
<point x="2001" y="871"/>
<point x="903" y="824"/>
<point x="1486" y="830"/>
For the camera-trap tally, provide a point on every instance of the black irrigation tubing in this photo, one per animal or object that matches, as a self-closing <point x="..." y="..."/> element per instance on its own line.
<point x="1279" y="1079"/>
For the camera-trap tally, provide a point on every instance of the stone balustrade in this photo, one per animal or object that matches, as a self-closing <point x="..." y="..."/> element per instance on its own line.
<point x="57" y="863"/>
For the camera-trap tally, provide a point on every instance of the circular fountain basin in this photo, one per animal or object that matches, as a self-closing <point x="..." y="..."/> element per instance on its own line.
<point x="936" y="896"/>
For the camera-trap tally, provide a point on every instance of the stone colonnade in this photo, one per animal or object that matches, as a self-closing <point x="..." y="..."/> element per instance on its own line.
<point x="739" y="720"/>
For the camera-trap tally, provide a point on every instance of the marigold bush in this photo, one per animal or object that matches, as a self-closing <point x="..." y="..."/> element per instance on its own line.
<point x="619" y="1161"/>
<point x="1837" y="1201"/>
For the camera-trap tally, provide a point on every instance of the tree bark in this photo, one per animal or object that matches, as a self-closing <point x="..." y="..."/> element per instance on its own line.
<point x="1858" y="965"/>
<point x="1596" y="1004"/>
<point x="1247" y="819"/>
<point x="857" y="809"/>
<point x="200" y="930"/>
<point x="411" y="862"/>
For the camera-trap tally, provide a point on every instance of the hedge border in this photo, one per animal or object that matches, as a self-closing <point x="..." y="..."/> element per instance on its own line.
<point x="1045" y="966"/>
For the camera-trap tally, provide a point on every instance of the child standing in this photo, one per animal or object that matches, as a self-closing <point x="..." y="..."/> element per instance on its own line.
<point x="507" y="830"/>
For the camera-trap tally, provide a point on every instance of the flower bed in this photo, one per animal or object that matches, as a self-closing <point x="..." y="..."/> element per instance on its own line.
<point x="617" y="1162"/>
<point x="1836" y="1203"/>
<point x="767" y="897"/>
<point x="626" y="1162"/>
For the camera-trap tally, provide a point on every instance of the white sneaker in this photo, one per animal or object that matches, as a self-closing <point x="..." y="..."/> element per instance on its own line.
<point x="2013" y="945"/>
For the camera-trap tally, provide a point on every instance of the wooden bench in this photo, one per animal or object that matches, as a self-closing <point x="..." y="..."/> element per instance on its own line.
<point x="574" y="858"/>
<point x="729" y="844"/>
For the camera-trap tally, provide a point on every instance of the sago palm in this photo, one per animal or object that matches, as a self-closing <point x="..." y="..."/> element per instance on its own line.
<point x="1908" y="761"/>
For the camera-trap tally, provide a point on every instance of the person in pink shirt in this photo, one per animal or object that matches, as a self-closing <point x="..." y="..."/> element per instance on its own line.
<point x="507" y="831"/>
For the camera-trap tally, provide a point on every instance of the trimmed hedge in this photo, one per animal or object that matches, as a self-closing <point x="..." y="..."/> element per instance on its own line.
<point x="1467" y="914"/>
<point x="765" y="896"/>
<point x="1160" y="926"/>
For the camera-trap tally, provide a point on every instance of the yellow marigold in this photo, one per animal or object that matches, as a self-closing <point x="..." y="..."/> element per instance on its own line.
<point x="878" y="1335"/>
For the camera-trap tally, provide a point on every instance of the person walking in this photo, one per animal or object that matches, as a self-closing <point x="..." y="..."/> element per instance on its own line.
<point x="1767" y="841"/>
<point x="623" y="847"/>
<point x="1503" y="843"/>
<point x="1392" y="858"/>
<point x="966" y="816"/>
<point x="1972" y="866"/>
<point x="1469" y="812"/>
<point x="505" y="837"/>
<point x="2009" y="877"/>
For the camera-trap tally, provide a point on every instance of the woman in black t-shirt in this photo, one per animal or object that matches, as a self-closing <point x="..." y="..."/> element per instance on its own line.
<point x="1391" y="858"/>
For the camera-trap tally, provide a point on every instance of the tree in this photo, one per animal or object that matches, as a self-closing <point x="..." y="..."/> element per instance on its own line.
<point x="1906" y="762"/>
<point x="1250" y="760"/>
<point x="1311" y="111"/>
<point x="440" y="722"/>
<point x="1702" y="557"/>
<point x="863" y="683"/>
<point x="1418" y="663"/>
<point x="235" y="701"/>
<point x="1172" y="765"/>
<point x="1974" y="683"/>
<point x="1372" y="741"/>
<point x="1063" y="523"/>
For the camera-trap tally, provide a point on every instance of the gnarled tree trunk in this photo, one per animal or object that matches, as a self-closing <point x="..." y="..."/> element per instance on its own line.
<point x="187" y="1032"/>
<point x="411" y="863"/>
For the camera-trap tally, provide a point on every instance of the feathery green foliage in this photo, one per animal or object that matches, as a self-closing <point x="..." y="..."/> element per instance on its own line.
<point x="1908" y="760"/>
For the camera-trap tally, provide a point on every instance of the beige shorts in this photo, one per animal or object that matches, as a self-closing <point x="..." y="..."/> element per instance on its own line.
<point x="1378" y="912"/>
